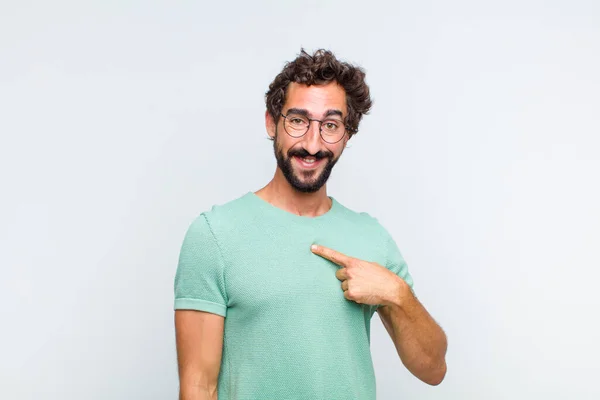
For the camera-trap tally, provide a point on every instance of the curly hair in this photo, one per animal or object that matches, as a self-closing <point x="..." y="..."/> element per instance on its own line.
<point x="321" y="68"/>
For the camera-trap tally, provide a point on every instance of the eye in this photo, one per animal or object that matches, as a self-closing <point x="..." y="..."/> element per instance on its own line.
<point x="297" y="120"/>
<point x="331" y="125"/>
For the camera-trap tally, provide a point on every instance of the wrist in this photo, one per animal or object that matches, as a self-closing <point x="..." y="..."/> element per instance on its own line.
<point x="398" y="294"/>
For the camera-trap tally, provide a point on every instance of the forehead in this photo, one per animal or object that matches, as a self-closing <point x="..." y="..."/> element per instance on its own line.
<point x="316" y="99"/>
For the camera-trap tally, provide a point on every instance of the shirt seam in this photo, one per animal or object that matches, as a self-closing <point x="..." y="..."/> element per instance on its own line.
<point x="222" y="258"/>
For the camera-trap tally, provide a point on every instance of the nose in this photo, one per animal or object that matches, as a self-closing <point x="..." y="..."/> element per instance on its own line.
<point x="312" y="138"/>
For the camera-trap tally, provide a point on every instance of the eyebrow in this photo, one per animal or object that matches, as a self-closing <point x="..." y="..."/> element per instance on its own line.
<point x="304" y="112"/>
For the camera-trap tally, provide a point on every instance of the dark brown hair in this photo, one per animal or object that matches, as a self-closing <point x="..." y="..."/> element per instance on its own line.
<point x="321" y="68"/>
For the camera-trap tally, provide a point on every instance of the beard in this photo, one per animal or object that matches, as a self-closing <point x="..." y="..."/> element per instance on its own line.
<point x="304" y="181"/>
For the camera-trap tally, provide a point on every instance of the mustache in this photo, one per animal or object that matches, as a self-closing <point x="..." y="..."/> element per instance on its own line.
<point x="303" y="153"/>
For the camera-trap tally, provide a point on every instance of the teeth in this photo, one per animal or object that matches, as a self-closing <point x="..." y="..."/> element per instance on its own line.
<point x="309" y="160"/>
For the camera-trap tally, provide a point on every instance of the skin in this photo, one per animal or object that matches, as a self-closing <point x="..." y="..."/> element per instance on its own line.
<point x="420" y="342"/>
<point x="199" y="339"/>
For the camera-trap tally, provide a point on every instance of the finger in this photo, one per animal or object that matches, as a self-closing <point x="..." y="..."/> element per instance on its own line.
<point x="346" y="295"/>
<point x="330" y="254"/>
<point x="342" y="274"/>
<point x="344" y="285"/>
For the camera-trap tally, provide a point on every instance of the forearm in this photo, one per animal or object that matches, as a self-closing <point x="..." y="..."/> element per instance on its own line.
<point x="419" y="340"/>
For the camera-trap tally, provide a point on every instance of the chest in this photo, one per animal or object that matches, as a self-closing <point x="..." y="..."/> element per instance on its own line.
<point x="287" y="277"/>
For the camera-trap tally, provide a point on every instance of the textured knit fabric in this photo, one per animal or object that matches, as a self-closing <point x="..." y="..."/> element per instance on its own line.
<point x="289" y="332"/>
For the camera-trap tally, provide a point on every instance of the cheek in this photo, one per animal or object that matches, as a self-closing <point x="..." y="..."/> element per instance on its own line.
<point x="337" y="149"/>
<point x="284" y="142"/>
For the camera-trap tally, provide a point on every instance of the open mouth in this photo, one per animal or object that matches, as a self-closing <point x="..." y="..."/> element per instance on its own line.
<point x="308" y="162"/>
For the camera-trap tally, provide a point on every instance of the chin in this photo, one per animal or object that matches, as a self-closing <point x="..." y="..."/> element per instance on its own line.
<point x="306" y="189"/>
<point x="306" y="186"/>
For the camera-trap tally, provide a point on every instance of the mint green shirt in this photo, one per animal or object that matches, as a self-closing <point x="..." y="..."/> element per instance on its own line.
<point x="289" y="332"/>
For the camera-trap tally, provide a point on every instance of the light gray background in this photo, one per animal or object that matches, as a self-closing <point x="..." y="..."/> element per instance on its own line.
<point x="481" y="156"/>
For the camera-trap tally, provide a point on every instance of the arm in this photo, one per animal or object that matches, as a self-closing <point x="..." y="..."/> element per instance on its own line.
<point x="420" y="342"/>
<point x="200" y="310"/>
<point x="199" y="338"/>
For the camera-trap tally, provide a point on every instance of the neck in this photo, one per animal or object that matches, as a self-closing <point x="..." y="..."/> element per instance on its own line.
<point x="281" y="194"/>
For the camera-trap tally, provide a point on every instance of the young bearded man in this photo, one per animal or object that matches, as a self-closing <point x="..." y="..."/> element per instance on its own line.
<point x="275" y="290"/>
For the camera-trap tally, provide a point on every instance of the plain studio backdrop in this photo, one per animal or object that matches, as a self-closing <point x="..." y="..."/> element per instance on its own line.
<point x="122" y="121"/>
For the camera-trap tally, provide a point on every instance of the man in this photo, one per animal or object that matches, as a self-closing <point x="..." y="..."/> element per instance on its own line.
<point x="275" y="290"/>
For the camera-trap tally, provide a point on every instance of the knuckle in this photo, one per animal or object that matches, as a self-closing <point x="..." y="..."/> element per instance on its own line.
<point x="352" y="295"/>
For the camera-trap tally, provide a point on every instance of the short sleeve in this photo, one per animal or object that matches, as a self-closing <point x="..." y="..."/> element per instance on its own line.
<point x="395" y="262"/>
<point x="199" y="280"/>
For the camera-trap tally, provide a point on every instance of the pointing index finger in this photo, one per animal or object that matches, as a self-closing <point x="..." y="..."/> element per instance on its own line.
<point x="330" y="254"/>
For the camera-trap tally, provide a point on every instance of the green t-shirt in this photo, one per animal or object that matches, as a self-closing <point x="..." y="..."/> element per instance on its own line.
<point x="289" y="332"/>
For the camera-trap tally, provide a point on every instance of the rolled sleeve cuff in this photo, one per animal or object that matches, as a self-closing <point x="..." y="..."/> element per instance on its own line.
<point x="201" y="305"/>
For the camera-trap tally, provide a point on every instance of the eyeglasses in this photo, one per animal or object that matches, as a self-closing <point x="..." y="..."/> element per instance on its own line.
<point x="332" y="130"/>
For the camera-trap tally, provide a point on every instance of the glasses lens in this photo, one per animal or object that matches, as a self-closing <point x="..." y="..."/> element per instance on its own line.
<point x="332" y="130"/>
<point x="295" y="124"/>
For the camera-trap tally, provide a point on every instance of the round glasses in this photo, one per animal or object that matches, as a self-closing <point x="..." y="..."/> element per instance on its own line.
<point x="332" y="129"/>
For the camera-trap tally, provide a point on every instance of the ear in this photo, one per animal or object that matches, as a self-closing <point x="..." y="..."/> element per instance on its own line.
<point x="270" y="124"/>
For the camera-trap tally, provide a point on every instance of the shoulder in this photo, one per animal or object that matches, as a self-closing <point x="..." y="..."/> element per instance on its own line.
<point x="221" y="216"/>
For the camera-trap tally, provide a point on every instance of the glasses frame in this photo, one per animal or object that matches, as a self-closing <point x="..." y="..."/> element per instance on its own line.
<point x="346" y="128"/>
